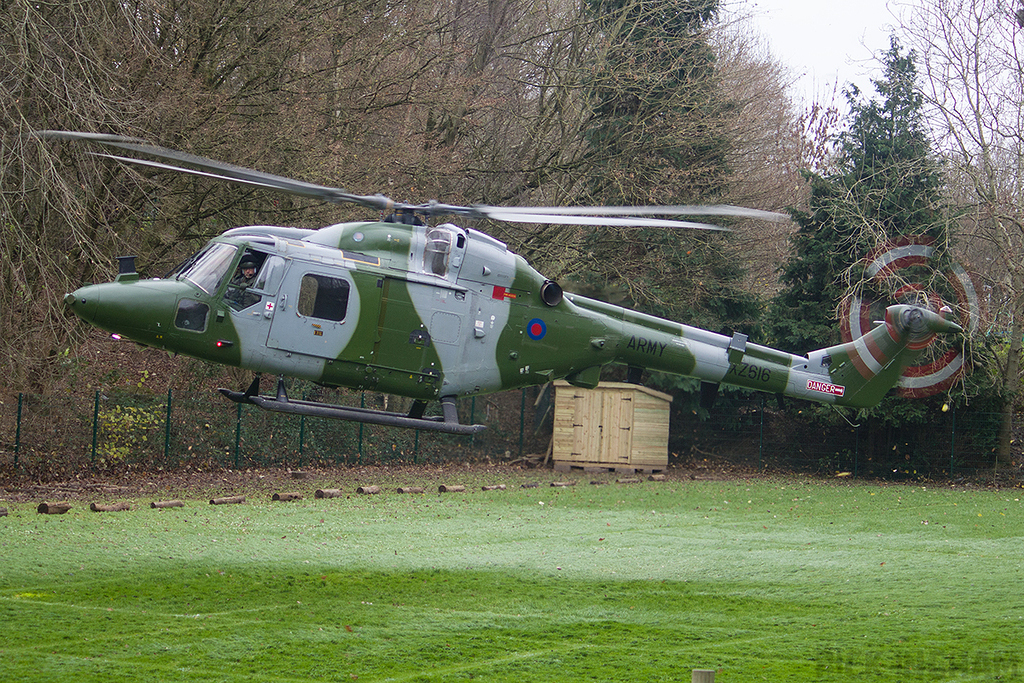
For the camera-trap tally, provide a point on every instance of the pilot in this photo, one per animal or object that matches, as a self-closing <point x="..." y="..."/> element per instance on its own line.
<point x="246" y="274"/>
<point x="245" y="279"/>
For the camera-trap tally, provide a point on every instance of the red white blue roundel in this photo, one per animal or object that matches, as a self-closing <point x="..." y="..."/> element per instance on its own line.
<point x="536" y="329"/>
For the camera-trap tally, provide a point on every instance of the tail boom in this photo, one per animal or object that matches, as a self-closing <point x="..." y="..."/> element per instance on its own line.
<point x="855" y="374"/>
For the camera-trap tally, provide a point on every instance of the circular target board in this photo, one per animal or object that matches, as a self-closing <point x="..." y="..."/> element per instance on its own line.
<point x="914" y="254"/>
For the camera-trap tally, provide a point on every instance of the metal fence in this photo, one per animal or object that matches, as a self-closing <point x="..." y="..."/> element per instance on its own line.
<point x="46" y="435"/>
<point x="951" y="445"/>
<point x="52" y="435"/>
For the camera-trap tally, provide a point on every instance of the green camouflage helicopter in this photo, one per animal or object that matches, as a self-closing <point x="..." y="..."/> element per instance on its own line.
<point x="437" y="312"/>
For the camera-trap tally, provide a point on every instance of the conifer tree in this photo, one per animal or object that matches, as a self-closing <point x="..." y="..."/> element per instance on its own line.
<point x="886" y="184"/>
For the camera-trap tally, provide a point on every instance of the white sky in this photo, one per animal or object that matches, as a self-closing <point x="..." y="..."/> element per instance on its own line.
<point x="825" y="42"/>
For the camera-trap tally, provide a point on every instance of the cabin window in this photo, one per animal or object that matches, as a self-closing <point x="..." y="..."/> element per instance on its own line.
<point x="323" y="297"/>
<point x="191" y="315"/>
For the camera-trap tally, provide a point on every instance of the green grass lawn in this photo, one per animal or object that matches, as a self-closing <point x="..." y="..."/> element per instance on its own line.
<point x="779" y="580"/>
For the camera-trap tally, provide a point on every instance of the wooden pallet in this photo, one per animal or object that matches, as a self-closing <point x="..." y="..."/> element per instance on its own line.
<point x="596" y="468"/>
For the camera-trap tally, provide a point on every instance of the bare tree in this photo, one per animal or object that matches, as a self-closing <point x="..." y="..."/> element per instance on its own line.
<point x="774" y="145"/>
<point x="974" y="71"/>
<point x="222" y="79"/>
<point x="464" y="100"/>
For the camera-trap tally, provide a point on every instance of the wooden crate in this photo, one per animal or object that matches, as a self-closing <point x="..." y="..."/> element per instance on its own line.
<point x="615" y="426"/>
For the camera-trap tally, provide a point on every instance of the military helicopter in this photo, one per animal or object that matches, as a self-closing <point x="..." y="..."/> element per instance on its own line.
<point x="434" y="312"/>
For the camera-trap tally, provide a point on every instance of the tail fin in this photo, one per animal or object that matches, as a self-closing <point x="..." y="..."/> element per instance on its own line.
<point x="866" y="368"/>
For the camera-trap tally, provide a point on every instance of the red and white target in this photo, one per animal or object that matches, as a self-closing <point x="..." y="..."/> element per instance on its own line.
<point x="940" y="373"/>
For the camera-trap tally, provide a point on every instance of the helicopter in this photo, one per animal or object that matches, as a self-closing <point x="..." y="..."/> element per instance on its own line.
<point x="433" y="311"/>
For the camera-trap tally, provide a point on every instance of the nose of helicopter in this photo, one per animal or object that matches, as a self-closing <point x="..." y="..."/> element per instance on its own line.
<point x="83" y="302"/>
<point x="140" y="310"/>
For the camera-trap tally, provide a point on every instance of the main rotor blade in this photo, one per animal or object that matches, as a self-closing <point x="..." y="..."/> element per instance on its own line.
<point x="624" y="216"/>
<point x="513" y="216"/>
<point x="220" y="170"/>
<point x="678" y="210"/>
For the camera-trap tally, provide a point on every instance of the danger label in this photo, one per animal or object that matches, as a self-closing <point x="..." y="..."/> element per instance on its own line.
<point x="825" y="387"/>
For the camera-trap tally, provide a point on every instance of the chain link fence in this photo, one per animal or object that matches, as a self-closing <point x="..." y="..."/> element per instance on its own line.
<point x="47" y="436"/>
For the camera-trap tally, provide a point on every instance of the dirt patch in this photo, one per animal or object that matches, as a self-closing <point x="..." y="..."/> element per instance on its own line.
<point x="191" y="483"/>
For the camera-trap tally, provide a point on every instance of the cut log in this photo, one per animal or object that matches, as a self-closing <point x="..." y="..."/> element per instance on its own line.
<point x="329" y="493"/>
<point x="563" y="483"/>
<point x="166" y="504"/>
<point x="530" y="485"/>
<point x="702" y="676"/>
<point x="3" y="512"/>
<point x="299" y="474"/>
<point x="450" y="488"/>
<point x="598" y="482"/>
<point x="284" y="497"/>
<point x="227" y="500"/>
<point x="656" y="477"/>
<point x="410" y="489"/>
<point x="494" y="487"/>
<point x="53" y="508"/>
<point x="368" y="489"/>
<point x="113" y="507"/>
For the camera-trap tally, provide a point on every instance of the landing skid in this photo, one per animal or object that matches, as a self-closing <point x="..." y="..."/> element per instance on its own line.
<point x="449" y="423"/>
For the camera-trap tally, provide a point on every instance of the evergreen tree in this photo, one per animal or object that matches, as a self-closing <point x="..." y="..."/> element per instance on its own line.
<point x="887" y="184"/>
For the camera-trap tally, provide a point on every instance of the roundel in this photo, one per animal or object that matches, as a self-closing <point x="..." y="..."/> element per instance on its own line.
<point x="858" y="311"/>
<point x="536" y="329"/>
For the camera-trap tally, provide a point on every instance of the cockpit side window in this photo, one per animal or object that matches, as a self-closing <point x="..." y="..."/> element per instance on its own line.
<point x="437" y="251"/>
<point x="269" y="278"/>
<point x="255" y="271"/>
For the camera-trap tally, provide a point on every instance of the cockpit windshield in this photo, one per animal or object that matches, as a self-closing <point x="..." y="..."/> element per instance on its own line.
<point x="208" y="269"/>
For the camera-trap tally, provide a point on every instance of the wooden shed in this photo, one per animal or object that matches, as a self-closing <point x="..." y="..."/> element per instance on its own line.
<point x="615" y="426"/>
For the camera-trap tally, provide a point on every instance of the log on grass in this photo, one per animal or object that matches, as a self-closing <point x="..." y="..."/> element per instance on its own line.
<point x="494" y="487"/>
<point x="563" y="483"/>
<point x="285" y="497"/>
<point x="368" y="490"/>
<point x="53" y="508"/>
<point x="166" y="504"/>
<point x="450" y="488"/>
<point x="410" y="489"/>
<point x="227" y="500"/>
<point x="113" y="507"/>
<point x="3" y="512"/>
<point x="329" y="493"/>
<point x="299" y="474"/>
<point x="656" y="477"/>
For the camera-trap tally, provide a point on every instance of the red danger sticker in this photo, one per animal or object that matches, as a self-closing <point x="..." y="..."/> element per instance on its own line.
<point x="825" y="387"/>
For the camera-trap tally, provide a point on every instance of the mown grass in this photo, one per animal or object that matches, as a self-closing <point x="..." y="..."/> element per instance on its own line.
<point x="778" y="580"/>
